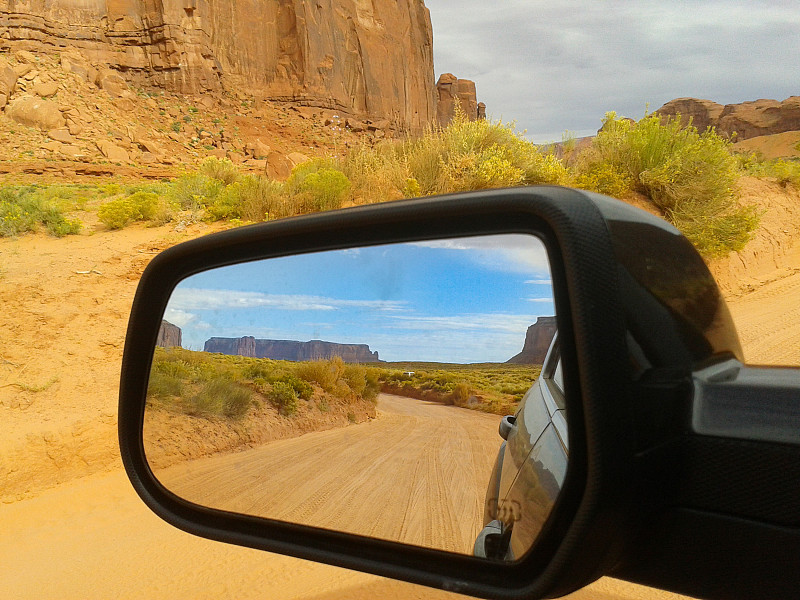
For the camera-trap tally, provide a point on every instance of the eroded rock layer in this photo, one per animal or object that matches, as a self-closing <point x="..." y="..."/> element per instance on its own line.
<point x="290" y="349"/>
<point x="364" y="57"/>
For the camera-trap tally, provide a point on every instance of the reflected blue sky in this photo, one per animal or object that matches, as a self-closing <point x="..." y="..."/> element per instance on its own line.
<point x="463" y="300"/>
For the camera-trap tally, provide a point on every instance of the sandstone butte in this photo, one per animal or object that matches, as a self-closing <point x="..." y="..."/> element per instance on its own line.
<point x="746" y="120"/>
<point x="368" y="59"/>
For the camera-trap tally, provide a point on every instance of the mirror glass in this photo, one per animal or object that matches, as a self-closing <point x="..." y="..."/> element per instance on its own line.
<point x="361" y="390"/>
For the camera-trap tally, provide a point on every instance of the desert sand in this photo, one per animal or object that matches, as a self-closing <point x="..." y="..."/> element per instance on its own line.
<point x="73" y="526"/>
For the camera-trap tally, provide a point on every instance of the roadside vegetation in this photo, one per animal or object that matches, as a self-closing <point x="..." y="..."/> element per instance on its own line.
<point x="688" y="176"/>
<point x="493" y="388"/>
<point x="221" y="387"/>
<point x="216" y="386"/>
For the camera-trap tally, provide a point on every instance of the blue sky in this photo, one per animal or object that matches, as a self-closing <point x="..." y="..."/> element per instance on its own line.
<point x="556" y="66"/>
<point x="462" y="300"/>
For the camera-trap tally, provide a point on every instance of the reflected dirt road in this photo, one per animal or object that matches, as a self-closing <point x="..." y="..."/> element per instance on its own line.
<point x="417" y="474"/>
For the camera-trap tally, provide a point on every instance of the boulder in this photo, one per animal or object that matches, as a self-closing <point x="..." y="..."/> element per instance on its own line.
<point x="111" y="81"/>
<point x="297" y="158"/>
<point x="257" y="149"/>
<point x="61" y="135"/>
<point x="24" y="56"/>
<point x="8" y="81"/>
<point x="45" y="90"/>
<point x="36" y="112"/>
<point x="113" y="152"/>
<point x="278" y="166"/>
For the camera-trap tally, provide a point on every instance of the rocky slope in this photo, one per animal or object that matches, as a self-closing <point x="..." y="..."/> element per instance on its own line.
<point x="291" y="350"/>
<point x="365" y="58"/>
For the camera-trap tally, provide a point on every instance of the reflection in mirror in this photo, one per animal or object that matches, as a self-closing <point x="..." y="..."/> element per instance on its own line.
<point x="361" y="390"/>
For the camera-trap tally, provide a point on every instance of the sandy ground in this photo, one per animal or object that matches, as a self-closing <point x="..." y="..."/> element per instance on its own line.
<point x="93" y="538"/>
<point x="72" y="525"/>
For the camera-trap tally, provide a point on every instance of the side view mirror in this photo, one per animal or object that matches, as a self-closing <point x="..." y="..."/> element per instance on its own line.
<point x="330" y="387"/>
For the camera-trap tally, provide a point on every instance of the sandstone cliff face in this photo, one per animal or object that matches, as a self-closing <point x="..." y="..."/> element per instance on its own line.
<point x="291" y="350"/>
<point x="537" y="342"/>
<point x="363" y="57"/>
<point x="169" y="335"/>
<point x="746" y="120"/>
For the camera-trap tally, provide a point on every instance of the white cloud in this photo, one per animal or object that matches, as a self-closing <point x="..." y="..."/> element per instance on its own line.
<point x="506" y="252"/>
<point x="539" y="282"/>
<point x="468" y="322"/>
<point x="543" y="300"/>
<point x="184" y="299"/>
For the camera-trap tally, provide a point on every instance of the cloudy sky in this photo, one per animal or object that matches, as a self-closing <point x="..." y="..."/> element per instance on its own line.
<point x="466" y="300"/>
<point x="555" y="66"/>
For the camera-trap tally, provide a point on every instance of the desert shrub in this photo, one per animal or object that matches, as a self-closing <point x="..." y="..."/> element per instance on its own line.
<point x="605" y="178"/>
<point x="24" y="209"/>
<point x="302" y="388"/>
<point x="220" y="169"/>
<point x="284" y="397"/>
<point x="324" y="189"/>
<point x="785" y="172"/>
<point x="222" y="398"/>
<point x="356" y="378"/>
<point x="460" y="394"/>
<point x="689" y="175"/>
<point x="193" y="191"/>
<point x="325" y="373"/>
<point x="139" y="206"/>
<point x="164" y="386"/>
<point x="254" y="198"/>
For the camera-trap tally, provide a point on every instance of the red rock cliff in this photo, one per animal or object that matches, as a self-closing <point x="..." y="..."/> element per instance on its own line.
<point x="368" y="58"/>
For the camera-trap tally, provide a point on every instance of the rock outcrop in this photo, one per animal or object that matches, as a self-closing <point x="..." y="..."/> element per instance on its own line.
<point x="364" y="58"/>
<point x="291" y="350"/>
<point x="746" y="120"/>
<point x="451" y="92"/>
<point x="169" y="335"/>
<point x="537" y="342"/>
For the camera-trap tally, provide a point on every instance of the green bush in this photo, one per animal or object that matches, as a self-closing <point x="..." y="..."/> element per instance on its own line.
<point x="785" y="172"/>
<point x="220" y="169"/>
<point x="220" y="397"/>
<point x="193" y="191"/>
<point x="284" y="397"/>
<point x="23" y="209"/>
<point x="690" y="176"/>
<point x="164" y="386"/>
<point x="139" y="206"/>
<point x="323" y="189"/>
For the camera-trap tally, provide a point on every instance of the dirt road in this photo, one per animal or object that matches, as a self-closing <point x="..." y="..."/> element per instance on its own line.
<point x="93" y="538"/>
<point x="417" y="474"/>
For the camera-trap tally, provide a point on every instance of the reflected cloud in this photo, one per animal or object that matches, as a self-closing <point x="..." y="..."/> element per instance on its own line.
<point x="184" y="299"/>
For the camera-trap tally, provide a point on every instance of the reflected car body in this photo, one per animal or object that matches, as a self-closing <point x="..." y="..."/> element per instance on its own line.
<point x="530" y="467"/>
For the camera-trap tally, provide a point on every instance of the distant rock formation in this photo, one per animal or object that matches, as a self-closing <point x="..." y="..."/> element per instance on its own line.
<point x="365" y="58"/>
<point x="537" y="342"/>
<point x="452" y="91"/>
<point x="746" y="120"/>
<point x="169" y="335"/>
<point x="291" y="350"/>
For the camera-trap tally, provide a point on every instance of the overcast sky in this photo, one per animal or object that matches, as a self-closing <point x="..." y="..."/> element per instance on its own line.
<point x="554" y="66"/>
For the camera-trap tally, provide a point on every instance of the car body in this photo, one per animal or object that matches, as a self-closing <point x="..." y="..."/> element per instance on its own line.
<point x="530" y="466"/>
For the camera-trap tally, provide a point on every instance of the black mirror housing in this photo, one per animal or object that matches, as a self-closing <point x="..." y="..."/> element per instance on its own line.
<point x="637" y="311"/>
